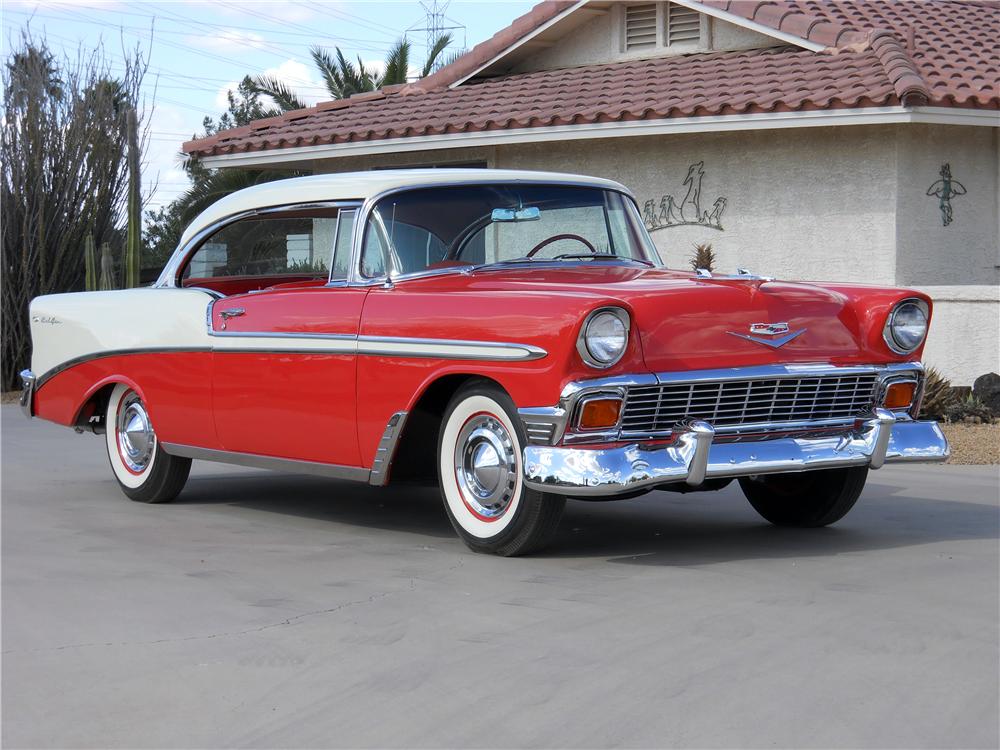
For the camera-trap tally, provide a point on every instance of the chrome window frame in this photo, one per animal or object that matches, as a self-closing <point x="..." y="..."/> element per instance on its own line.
<point x="170" y="275"/>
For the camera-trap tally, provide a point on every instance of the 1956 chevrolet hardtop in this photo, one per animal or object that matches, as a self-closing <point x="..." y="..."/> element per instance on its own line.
<point x="511" y="335"/>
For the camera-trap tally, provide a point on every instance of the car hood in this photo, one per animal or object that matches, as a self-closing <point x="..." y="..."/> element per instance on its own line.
<point x="685" y="322"/>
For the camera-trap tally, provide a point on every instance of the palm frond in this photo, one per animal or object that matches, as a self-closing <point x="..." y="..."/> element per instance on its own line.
<point x="330" y="70"/>
<point x="435" y="51"/>
<point x="451" y="57"/>
<point x="283" y="96"/>
<point x="397" y="64"/>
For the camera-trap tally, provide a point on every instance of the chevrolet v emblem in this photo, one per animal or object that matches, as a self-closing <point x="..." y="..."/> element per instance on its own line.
<point x="764" y="333"/>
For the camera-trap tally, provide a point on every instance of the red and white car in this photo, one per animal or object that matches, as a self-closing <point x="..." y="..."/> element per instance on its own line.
<point x="510" y="335"/>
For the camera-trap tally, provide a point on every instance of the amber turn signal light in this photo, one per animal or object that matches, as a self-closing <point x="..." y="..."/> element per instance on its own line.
<point x="899" y="395"/>
<point x="599" y="413"/>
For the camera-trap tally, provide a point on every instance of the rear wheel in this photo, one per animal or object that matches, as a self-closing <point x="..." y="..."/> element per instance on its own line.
<point x="479" y="467"/>
<point x="806" y="499"/>
<point x="144" y="471"/>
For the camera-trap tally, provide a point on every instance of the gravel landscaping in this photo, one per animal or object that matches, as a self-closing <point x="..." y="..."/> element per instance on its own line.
<point x="973" y="443"/>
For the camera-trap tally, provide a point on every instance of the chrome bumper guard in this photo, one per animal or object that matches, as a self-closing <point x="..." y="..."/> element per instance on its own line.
<point x="27" y="392"/>
<point x="693" y="457"/>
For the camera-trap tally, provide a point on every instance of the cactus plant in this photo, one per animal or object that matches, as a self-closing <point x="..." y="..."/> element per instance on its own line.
<point x="969" y="409"/>
<point x="134" y="236"/>
<point x="90" y="262"/>
<point x="703" y="258"/>
<point x="107" y="279"/>
<point x="938" y="395"/>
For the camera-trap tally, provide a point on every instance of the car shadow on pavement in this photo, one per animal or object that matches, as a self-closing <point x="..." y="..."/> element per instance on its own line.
<point x="661" y="528"/>
<point x="409" y="508"/>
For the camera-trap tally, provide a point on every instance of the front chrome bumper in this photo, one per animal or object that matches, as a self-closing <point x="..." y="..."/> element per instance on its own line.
<point x="693" y="457"/>
<point x="27" y="392"/>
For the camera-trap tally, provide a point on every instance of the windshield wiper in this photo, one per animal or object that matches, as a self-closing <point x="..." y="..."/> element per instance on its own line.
<point x="599" y="256"/>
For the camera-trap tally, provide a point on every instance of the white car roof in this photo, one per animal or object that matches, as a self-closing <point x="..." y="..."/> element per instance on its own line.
<point x="364" y="185"/>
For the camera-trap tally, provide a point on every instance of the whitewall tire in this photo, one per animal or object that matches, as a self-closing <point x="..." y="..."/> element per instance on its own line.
<point x="480" y="471"/>
<point x="144" y="471"/>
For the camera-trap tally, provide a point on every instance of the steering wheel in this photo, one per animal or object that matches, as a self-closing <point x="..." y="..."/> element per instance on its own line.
<point x="557" y="237"/>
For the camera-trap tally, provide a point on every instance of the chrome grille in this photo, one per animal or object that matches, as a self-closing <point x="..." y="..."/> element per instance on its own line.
<point x="737" y="403"/>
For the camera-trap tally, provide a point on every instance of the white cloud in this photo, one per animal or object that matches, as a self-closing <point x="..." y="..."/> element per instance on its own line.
<point x="302" y="79"/>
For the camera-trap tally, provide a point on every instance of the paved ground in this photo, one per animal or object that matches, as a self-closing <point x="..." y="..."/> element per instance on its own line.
<point x="273" y="610"/>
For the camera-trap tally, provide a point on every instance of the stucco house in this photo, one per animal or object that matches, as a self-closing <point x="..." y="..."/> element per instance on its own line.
<point x="803" y="139"/>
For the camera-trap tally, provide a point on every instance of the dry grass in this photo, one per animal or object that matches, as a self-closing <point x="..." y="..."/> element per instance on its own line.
<point x="10" y="397"/>
<point x="973" y="443"/>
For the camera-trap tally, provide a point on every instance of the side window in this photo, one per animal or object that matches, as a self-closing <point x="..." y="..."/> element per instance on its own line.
<point x="294" y="244"/>
<point x="373" y="255"/>
<point x="414" y="248"/>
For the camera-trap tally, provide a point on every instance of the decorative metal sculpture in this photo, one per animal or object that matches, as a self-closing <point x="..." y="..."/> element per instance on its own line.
<point x="670" y="213"/>
<point x="945" y="189"/>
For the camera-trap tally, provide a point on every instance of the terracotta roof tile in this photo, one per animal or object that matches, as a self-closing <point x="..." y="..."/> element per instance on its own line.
<point x="879" y="53"/>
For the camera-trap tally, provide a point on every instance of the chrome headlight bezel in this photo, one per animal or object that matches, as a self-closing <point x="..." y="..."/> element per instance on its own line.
<point x="889" y="330"/>
<point x="587" y="351"/>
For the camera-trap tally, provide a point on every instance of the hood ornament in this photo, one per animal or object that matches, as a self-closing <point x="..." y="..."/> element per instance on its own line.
<point x="765" y="333"/>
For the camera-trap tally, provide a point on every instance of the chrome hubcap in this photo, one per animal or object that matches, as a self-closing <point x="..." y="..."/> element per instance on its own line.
<point x="136" y="439"/>
<point x="485" y="466"/>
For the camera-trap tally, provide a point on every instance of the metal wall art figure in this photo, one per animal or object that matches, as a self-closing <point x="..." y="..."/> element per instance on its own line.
<point x="670" y="213"/>
<point x="945" y="189"/>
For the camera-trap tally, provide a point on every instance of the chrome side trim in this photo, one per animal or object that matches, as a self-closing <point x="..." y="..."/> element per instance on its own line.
<point x="48" y="374"/>
<point x="447" y="349"/>
<point x="334" y="471"/>
<point x="27" y="392"/>
<point x="693" y="457"/>
<point x="387" y="449"/>
<point x="543" y="425"/>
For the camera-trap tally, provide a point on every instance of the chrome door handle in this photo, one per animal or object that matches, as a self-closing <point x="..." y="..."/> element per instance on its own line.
<point x="232" y="312"/>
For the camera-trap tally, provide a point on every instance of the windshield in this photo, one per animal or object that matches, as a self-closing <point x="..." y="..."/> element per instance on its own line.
<point x="481" y="225"/>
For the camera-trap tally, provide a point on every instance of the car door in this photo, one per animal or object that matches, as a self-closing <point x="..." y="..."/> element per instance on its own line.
<point x="284" y="359"/>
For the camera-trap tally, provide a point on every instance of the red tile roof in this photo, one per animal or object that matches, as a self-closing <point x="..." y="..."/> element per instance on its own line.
<point x="880" y="53"/>
<point x="951" y="44"/>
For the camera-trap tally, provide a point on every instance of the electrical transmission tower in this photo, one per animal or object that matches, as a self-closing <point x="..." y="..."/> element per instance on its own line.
<point x="436" y="23"/>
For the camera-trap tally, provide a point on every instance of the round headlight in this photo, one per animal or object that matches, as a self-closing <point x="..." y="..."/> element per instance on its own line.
<point x="604" y="337"/>
<point x="907" y="325"/>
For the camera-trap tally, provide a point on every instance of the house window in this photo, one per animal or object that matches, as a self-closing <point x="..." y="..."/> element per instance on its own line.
<point x="640" y="26"/>
<point x="660" y="26"/>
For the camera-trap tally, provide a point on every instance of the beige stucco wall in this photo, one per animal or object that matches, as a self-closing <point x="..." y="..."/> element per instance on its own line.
<point x="845" y="204"/>
<point x="799" y="203"/>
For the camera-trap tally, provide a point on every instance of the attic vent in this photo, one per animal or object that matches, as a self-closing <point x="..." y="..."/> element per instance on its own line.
<point x="640" y="26"/>
<point x="683" y="25"/>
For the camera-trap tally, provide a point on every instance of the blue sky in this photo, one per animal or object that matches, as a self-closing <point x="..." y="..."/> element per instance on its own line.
<point x="197" y="50"/>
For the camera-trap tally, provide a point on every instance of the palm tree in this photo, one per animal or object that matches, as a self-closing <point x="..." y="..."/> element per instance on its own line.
<point x="343" y="79"/>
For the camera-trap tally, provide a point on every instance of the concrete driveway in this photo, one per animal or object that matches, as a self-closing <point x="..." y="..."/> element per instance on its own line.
<point x="271" y="610"/>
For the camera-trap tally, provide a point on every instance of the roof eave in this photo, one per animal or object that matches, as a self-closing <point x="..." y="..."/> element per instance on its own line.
<point x="714" y="123"/>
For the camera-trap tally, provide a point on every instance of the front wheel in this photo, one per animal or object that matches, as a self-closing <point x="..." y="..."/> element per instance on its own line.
<point x="479" y="467"/>
<point x="144" y="471"/>
<point x="806" y="499"/>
